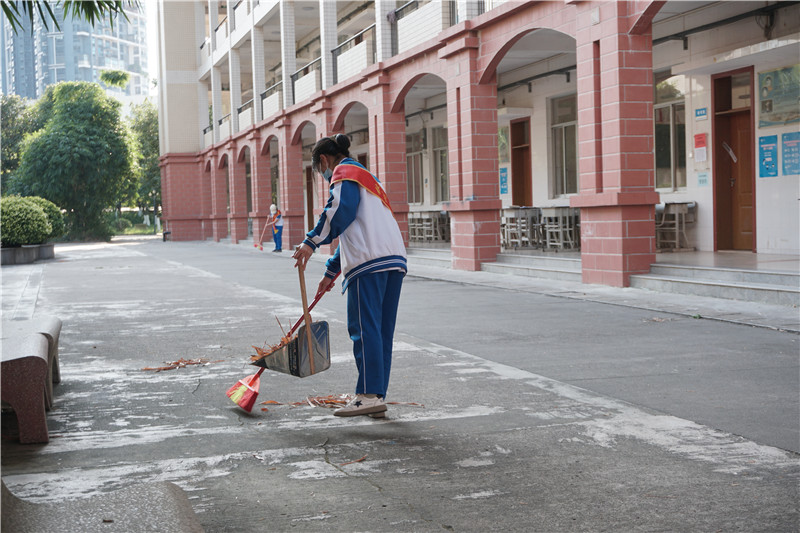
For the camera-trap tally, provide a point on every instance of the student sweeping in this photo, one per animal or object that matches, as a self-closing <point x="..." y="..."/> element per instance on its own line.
<point x="276" y="220"/>
<point x="372" y="257"/>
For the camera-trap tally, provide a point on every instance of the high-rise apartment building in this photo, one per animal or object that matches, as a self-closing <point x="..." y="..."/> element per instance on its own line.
<point x="77" y="51"/>
<point x="616" y="129"/>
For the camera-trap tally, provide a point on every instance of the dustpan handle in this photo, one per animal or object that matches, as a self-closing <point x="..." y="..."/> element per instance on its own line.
<point x="317" y="298"/>
<point x="307" y="316"/>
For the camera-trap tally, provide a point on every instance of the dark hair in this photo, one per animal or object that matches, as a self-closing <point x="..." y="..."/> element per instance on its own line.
<point x="335" y="145"/>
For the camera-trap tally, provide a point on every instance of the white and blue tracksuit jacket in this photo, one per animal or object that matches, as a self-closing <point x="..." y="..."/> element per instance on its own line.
<point x="369" y="237"/>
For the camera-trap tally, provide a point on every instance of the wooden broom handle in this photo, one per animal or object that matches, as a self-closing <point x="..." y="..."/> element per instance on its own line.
<point x="306" y="315"/>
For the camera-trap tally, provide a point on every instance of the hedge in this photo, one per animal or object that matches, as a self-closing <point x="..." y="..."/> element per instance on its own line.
<point x="22" y="222"/>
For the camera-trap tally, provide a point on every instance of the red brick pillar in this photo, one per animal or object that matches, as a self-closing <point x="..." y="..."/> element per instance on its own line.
<point x="387" y="147"/>
<point x="182" y="196"/>
<point x="262" y="188"/>
<point x="615" y="145"/>
<point x="474" y="204"/>
<point x="291" y="201"/>
<point x="238" y="191"/>
<point x="219" y="200"/>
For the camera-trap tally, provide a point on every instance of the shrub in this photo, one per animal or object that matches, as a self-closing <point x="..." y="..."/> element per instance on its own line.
<point x="54" y="216"/>
<point x="123" y="224"/>
<point x="22" y="222"/>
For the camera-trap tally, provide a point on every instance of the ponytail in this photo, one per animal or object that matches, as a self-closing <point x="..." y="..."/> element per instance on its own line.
<point x="336" y="145"/>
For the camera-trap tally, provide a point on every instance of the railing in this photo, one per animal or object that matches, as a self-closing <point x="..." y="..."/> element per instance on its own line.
<point x="205" y="47"/>
<point x="302" y="88"/>
<point x="245" y="112"/>
<point x="221" y="31"/>
<point x="224" y="126"/>
<point x="418" y="23"/>
<point x="240" y="13"/>
<point x="271" y="100"/>
<point x="366" y="36"/>
<point x="208" y="129"/>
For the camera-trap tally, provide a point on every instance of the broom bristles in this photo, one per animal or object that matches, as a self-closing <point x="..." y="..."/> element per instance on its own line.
<point x="243" y="395"/>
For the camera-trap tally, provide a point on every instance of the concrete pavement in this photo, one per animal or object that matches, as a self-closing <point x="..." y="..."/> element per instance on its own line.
<point x="507" y="439"/>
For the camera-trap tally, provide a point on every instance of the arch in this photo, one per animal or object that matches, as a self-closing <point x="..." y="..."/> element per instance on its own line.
<point x="645" y="19"/>
<point x="399" y="102"/>
<point x="245" y="149"/>
<point x="551" y="38"/>
<point x="265" y="147"/>
<point x="207" y="166"/>
<point x="338" y="124"/>
<point x="488" y="75"/>
<point x="297" y="136"/>
<point x="223" y="161"/>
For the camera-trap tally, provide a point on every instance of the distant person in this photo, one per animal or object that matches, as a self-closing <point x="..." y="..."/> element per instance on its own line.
<point x="372" y="257"/>
<point x="276" y="220"/>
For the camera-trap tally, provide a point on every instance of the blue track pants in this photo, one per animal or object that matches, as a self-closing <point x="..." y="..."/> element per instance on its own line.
<point x="277" y="232"/>
<point x="372" y="301"/>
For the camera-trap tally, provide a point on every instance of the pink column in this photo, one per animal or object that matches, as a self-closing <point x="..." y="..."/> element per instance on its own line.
<point x="219" y="209"/>
<point x="238" y="191"/>
<point x="387" y="148"/>
<point x="472" y="149"/>
<point x="262" y="188"/>
<point x="291" y="201"/>
<point x="182" y="196"/>
<point x="615" y="113"/>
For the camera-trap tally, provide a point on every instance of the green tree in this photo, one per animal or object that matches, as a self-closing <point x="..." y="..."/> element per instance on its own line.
<point x="82" y="157"/>
<point x="16" y="121"/>
<point x="92" y="11"/>
<point x="144" y="125"/>
<point x="115" y="78"/>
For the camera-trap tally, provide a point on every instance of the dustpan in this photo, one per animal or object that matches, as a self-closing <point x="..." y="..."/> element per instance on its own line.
<point x="297" y="357"/>
<point x="307" y="353"/>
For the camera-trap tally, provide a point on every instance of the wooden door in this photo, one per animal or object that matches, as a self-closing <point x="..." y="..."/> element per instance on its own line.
<point x="521" y="182"/>
<point x="734" y="170"/>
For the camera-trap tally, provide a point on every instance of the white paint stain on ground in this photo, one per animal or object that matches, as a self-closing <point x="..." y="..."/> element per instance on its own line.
<point x="481" y="495"/>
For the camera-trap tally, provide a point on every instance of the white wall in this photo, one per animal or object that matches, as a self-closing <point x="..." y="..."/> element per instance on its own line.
<point x="727" y="48"/>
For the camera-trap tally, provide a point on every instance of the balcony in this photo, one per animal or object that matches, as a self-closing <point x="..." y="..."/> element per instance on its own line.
<point x="208" y="136"/>
<point x="224" y="127"/>
<point x="240" y="13"/>
<point x="307" y="80"/>
<point x="245" y="115"/>
<point x="417" y="24"/>
<point x="272" y="100"/>
<point x="221" y="33"/>
<point x="354" y="55"/>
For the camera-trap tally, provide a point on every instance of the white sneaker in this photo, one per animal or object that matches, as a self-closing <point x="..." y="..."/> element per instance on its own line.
<point x="362" y="405"/>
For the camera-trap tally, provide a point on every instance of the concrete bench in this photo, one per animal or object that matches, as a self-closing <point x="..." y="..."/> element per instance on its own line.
<point x="147" y="507"/>
<point x="50" y="327"/>
<point x="24" y="376"/>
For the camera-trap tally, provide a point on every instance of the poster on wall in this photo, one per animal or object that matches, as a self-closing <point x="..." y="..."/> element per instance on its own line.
<point x="768" y="156"/>
<point x="503" y="180"/>
<point x="779" y="96"/>
<point x="790" y="153"/>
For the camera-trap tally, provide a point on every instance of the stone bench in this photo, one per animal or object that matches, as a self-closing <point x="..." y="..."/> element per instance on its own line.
<point x="24" y="375"/>
<point x="50" y="327"/>
<point x="146" y="507"/>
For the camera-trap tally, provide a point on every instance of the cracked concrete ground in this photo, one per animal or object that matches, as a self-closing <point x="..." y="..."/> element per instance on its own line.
<point x="515" y="432"/>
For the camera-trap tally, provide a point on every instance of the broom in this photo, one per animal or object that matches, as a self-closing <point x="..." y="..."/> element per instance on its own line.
<point x="245" y="391"/>
<point x="259" y="244"/>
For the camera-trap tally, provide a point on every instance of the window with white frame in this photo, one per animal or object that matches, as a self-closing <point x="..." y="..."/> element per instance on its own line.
<point x="414" y="150"/>
<point x="441" y="175"/>
<point x="564" y="131"/>
<point x="669" y="111"/>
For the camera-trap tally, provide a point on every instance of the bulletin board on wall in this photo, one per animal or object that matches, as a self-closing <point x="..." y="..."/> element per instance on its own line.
<point x="779" y="96"/>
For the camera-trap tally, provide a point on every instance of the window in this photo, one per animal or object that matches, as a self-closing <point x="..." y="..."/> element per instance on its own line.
<point x="564" y="120"/>
<point x="441" y="175"/>
<point x="669" y="112"/>
<point x="414" y="148"/>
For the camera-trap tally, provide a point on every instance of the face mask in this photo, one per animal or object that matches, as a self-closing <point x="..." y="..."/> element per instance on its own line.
<point x="328" y="174"/>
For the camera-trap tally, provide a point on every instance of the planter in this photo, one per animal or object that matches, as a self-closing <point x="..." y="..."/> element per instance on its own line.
<point x="9" y="256"/>
<point x="27" y="253"/>
<point x="47" y="250"/>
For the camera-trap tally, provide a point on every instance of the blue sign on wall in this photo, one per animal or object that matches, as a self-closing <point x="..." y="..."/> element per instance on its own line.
<point x="701" y="113"/>
<point x="768" y="156"/>
<point x="503" y="180"/>
<point x="791" y="153"/>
